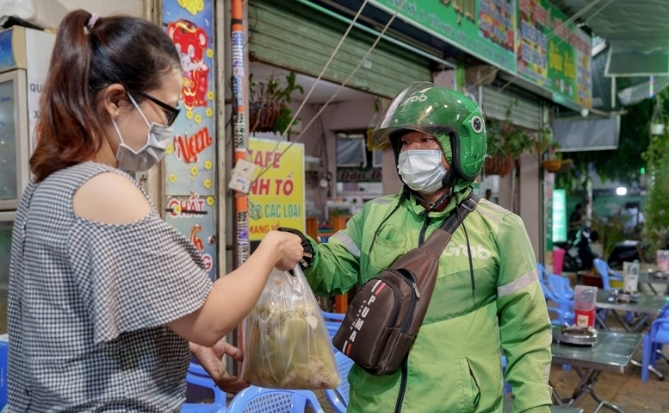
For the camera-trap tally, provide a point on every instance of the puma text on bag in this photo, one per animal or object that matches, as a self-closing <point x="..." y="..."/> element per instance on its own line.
<point x="384" y="317"/>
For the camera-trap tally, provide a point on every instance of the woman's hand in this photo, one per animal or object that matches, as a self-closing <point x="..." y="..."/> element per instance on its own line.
<point x="211" y="360"/>
<point x="287" y="246"/>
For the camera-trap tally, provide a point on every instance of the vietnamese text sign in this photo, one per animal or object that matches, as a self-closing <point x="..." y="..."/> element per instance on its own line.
<point x="552" y="54"/>
<point x="485" y="28"/>
<point x="523" y="37"/>
<point x="359" y="174"/>
<point x="190" y="164"/>
<point x="277" y="192"/>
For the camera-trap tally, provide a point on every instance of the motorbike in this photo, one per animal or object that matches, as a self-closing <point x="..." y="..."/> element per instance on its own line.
<point x="627" y="250"/>
<point x="578" y="253"/>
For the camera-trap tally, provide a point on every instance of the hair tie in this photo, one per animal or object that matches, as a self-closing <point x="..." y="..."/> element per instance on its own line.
<point x="91" y="22"/>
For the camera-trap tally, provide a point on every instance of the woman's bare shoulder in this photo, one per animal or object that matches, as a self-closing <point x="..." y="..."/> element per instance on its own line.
<point x="110" y="198"/>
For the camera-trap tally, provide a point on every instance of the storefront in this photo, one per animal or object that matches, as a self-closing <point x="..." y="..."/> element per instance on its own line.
<point x="299" y="38"/>
<point x="538" y="58"/>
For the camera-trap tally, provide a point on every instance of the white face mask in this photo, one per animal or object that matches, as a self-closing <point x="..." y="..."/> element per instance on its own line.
<point x="148" y="155"/>
<point x="421" y="170"/>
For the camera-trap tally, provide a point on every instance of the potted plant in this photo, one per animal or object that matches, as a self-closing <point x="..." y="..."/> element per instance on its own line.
<point x="545" y="140"/>
<point x="657" y="121"/>
<point x="506" y="142"/>
<point x="552" y="163"/>
<point x="268" y="102"/>
<point x="498" y="162"/>
<point x="657" y="205"/>
<point x="546" y="146"/>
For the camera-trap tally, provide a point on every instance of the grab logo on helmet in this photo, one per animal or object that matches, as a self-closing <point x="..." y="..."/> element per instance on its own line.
<point x="420" y="98"/>
<point x="456" y="250"/>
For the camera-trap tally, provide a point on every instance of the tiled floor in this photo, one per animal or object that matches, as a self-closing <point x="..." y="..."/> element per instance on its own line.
<point x="626" y="391"/>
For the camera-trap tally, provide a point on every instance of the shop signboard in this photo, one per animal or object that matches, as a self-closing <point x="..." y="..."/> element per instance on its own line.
<point x="528" y="38"/>
<point x="190" y="164"/>
<point x="553" y="53"/>
<point x="351" y="174"/>
<point x="484" y="28"/>
<point x="277" y="192"/>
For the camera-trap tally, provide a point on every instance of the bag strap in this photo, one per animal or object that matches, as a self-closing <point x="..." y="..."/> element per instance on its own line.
<point x="440" y="238"/>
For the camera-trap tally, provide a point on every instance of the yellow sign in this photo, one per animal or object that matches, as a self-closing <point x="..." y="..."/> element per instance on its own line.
<point x="277" y="192"/>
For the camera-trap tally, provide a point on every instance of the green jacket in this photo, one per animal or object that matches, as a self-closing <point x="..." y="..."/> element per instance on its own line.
<point x="454" y="365"/>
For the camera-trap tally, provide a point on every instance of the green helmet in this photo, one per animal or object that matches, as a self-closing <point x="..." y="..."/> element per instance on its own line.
<point x="451" y="117"/>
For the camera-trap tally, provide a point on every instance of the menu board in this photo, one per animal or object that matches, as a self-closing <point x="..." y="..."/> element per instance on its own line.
<point x="529" y="38"/>
<point x="552" y="53"/>
<point x="277" y="193"/>
<point x="484" y="28"/>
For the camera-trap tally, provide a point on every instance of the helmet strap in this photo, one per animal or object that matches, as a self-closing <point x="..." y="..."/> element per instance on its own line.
<point x="450" y="179"/>
<point x="437" y="206"/>
<point x="443" y="200"/>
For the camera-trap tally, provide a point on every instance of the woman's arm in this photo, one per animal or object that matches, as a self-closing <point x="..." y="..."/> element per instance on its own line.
<point x="233" y="296"/>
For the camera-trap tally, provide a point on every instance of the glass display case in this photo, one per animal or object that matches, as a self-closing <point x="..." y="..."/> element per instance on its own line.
<point x="6" y="227"/>
<point x="24" y="62"/>
<point x="13" y="145"/>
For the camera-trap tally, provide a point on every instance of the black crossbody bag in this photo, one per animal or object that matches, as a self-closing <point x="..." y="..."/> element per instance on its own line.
<point x="384" y="317"/>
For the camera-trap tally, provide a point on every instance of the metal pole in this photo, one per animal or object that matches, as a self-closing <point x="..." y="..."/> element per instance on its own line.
<point x="239" y="131"/>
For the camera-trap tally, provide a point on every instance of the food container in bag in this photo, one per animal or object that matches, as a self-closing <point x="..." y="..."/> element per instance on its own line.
<point x="286" y="343"/>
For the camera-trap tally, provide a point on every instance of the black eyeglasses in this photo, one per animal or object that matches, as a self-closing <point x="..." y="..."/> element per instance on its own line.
<point x="171" y="112"/>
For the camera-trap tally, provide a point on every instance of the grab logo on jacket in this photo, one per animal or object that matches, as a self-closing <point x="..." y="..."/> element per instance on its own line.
<point x="457" y="250"/>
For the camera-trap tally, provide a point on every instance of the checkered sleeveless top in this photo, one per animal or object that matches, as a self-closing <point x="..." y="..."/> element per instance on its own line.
<point x="88" y="304"/>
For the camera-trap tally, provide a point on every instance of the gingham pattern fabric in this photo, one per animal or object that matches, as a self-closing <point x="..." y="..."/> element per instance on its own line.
<point x="88" y="305"/>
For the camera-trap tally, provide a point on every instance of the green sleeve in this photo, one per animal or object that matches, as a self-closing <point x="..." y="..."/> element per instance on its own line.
<point x="524" y="323"/>
<point x="336" y="265"/>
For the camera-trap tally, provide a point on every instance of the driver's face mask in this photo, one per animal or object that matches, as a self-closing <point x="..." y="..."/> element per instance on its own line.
<point x="421" y="170"/>
<point x="148" y="155"/>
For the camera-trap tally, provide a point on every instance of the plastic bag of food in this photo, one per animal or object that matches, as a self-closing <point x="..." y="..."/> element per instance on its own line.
<point x="286" y="343"/>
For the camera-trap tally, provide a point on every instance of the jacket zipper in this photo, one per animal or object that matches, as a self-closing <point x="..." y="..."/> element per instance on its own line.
<point x="414" y="297"/>
<point x="426" y="223"/>
<point x="405" y="362"/>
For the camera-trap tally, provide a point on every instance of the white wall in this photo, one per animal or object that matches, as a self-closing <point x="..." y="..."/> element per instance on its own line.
<point x="527" y="191"/>
<point x="531" y="200"/>
<point x="106" y="7"/>
<point x="340" y="116"/>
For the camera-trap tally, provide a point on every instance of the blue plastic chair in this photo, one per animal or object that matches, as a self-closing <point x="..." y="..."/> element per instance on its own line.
<point x="4" y="347"/>
<point x="198" y="376"/>
<point x="558" y="290"/>
<point x="657" y="336"/>
<point x="338" y="398"/>
<point x="332" y="322"/>
<point x="507" y="387"/>
<point x="606" y="273"/>
<point x="543" y="279"/>
<point x="261" y="400"/>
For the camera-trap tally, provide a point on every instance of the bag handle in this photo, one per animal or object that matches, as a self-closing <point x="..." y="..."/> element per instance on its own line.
<point x="440" y="238"/>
